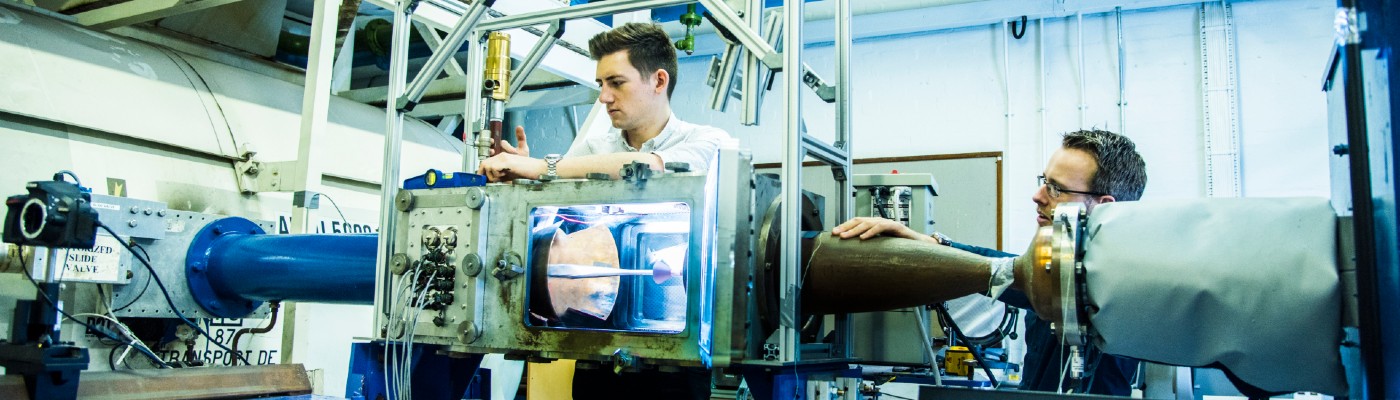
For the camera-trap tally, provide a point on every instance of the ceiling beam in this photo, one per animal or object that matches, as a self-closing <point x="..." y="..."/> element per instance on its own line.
<point x="138" y="11"/>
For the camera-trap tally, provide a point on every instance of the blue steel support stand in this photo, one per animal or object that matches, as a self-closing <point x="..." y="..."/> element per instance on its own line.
<point x="789" y="382"/>
<point x="435" y="376"/>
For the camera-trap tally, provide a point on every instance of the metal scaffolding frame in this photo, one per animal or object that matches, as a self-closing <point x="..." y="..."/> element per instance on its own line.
<point x="757" y="52"/>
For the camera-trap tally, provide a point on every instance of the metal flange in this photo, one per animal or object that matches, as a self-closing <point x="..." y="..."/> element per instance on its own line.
<point x="197" y="268"/>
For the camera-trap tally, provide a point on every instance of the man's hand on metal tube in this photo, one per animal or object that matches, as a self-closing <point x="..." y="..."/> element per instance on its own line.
<point x="869" y="227"/>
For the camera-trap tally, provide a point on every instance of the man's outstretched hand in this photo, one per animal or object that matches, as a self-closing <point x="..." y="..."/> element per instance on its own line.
<point x="869" y="227"/>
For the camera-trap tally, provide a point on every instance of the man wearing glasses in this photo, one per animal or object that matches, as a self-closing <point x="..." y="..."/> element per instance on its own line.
<point x="1090" y="167"/>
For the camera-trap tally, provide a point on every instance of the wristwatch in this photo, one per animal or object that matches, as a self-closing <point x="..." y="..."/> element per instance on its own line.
<point x="552" y="163"/>
<point x="941" y="238"/>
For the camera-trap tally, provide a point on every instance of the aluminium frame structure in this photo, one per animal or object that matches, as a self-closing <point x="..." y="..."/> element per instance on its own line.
<point x="797" y="145"/>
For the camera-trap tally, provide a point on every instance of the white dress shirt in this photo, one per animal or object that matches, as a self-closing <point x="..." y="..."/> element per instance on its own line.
<point x="679" y="141"/>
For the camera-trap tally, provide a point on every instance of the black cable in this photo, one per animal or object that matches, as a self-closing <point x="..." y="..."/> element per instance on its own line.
<point x="168" y="300"/>
<point x="58" y="176"/>
<point x="102" y="295"/>
<point x="338" y="207"/>
<point x="40" y="292"/>
<point x="143" y="288"/>
<point x="897" y="397"/>
<point x="1005" y="328"/>
<point x="1023" y="28"/>
<point x="1091" y="370"/>
<point x="976" y="350"/>
<point x="271" y="322"/>
<point x="343" y="221"/>
<point x="723" y="32"/>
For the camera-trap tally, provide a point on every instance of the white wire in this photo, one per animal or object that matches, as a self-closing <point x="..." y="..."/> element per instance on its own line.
<point x="922" y="320"/>
<point x="124" y="330"/>
<point x="107" y="301"/>
<point x="413" y="329"/>
<point x="392" y="367"/>
<point x="406" y="346"/>
<point x="403" y="361"/>
<point x="1064" y="366"/>
<point x="390" y="355"/>
<point x="398" y="361"/>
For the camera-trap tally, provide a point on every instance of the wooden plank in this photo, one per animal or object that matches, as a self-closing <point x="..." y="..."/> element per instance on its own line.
<point x="13" y="387"/>
<point x="195" y="383"/>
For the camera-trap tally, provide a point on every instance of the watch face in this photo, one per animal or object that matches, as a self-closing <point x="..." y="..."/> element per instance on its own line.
<point x="552" y="161"/>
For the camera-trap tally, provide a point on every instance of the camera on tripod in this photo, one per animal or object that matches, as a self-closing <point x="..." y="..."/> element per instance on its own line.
<point x="56" y="214"/>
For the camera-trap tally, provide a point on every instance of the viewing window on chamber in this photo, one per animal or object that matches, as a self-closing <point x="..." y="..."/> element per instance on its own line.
<point x="618" y="267"/>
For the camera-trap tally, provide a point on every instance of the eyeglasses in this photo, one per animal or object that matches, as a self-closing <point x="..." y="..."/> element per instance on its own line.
<point x="1055" y="190"/>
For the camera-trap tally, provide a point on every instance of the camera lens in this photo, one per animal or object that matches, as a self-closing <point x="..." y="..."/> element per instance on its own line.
<point x="34" y="217"/>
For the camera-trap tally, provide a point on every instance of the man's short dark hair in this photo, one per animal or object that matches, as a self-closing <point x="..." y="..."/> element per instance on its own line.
<point x="647" y="46"/>
<point x="1121" y="171"/>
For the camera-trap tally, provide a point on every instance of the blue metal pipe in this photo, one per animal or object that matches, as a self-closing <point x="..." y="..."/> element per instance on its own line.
<point x="232" y="267"/>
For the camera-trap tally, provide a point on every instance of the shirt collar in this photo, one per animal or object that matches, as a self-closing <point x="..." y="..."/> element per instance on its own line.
<point x="666" y="131"/>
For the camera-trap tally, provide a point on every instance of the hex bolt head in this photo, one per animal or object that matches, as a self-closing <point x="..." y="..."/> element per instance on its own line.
<point x="471" y="265"/>
<point x="404" y="200"/>
<point x="469" y="331"/>
<point x="398" y="263"/>
<point x="476" y="198"/>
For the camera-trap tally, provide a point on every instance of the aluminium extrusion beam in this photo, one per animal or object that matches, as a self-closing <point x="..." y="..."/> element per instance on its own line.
<point x="393" y="149"/>
<point x="758" y="85"/>
<point x="724" y="82"/>
<point x="517" y="77"/>
<point x="751" y="40"/>
<point x="825" y="152"/>
<point x="845" y="201"/>
<point x="749" y="88"/>
<point x="789" y="256"/>
<point x="735" y="56"/>
<point x="819" y="86"/>
<point x="430" y="36"/>
<point x="575" y="12"/>
<point x="574" y="66"/>
<point x="444" y="52"/>
<point x="844" y="42"/>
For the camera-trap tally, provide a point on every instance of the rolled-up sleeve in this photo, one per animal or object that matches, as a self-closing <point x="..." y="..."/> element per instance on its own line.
<point x="697" y="151"/>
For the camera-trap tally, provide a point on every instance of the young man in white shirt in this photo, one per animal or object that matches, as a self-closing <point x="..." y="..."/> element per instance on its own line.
<point x="636" y="75"/>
